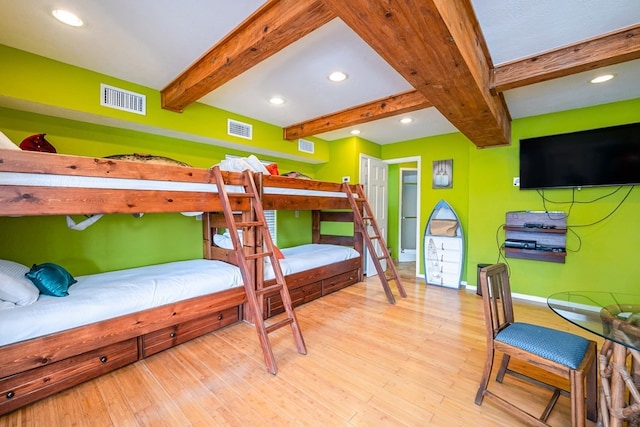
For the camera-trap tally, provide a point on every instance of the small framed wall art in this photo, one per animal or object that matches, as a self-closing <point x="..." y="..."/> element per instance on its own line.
<point x="443" y="173"/>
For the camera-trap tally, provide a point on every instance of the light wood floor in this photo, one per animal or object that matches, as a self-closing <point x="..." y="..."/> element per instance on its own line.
<point x="369" y="363"/>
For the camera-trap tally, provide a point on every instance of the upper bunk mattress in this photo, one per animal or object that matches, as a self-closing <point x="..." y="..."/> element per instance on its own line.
<point x="110" y="294"/>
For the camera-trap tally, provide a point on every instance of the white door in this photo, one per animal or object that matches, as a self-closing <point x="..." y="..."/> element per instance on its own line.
<point x="373" y="177"/>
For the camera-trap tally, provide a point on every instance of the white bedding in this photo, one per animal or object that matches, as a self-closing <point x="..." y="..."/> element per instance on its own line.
<point x="306" y="257"/>
<point x="73" y="181"/>
<point x="106" y="295"/>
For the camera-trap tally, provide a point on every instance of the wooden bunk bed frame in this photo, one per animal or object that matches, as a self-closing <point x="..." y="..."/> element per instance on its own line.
<point x="36" y="368"/>
<point x="327" y="204"/>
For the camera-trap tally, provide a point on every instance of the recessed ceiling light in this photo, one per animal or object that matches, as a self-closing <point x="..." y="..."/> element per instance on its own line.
<point x="355" y="132"/>
<point x="67" y="17"/>
<point x="406" y="120"/>
<point x="276" y="100"/>
<point x="603" y="78"/>
<point x="337" y="76"/>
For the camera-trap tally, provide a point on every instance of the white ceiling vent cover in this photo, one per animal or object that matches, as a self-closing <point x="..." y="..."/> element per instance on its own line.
<point x="121" y="99"/>
<point x="239" y="129"/>
<point x="306" y="146"/>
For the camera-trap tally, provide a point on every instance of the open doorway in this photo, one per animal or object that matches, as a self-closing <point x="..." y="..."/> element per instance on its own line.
<point x="408" y="224"/>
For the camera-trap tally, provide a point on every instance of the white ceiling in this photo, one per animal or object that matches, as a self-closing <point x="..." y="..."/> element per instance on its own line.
<point x="150" y="42"/>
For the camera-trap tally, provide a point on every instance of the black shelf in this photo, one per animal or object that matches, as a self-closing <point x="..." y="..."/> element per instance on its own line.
<point x="535" y="230"/>
<point x="535" y="254"/>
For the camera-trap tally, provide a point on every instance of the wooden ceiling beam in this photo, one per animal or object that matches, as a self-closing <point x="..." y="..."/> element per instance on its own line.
<point x="610" y="49"/>
<point x="376" y="110"/>
<point x="436" y="45"/>
<point x="276" y="25"/>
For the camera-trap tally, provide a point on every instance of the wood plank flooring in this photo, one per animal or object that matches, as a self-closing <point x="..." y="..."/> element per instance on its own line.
<point x="369" y="363"/>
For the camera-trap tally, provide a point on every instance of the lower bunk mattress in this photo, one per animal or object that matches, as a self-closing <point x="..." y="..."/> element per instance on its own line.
<point x="306" y="257"/>
<point x="111" y="294"/>
<point x="107" y="295"/>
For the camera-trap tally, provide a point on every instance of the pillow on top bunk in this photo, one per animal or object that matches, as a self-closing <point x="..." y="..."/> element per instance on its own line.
<point x="51" y="279"/>
<point x="14" y="287"/>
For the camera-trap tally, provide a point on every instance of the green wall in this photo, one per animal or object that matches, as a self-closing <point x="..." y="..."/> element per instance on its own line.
<point x="451" y="146"/>
<point x="34" y="83"/>
<point x="600" y="256"/>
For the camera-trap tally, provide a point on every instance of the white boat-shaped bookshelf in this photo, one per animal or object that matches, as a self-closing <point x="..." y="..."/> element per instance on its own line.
<point x="443" y="247"/>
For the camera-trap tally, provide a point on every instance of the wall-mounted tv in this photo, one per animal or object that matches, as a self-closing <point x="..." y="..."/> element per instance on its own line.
<point x="598" y="157"/>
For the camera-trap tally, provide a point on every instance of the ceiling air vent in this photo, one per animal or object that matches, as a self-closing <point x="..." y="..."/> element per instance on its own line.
<point x="239" y="129"/>
<point x="305" y="146"/>
<point x="121" y="99"/>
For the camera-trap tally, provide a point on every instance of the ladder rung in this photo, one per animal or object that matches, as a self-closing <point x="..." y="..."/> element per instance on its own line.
<point x="269" y="289"/>
<point x="243" y="195"/>
<point x="279" y="324"/>
<point x="257" y="256"/>
<point x="250" y="224"/>
<point x="374" y="237"/>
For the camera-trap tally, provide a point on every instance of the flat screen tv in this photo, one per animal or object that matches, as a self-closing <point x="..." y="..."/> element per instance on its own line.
<point x="598" y="157"/>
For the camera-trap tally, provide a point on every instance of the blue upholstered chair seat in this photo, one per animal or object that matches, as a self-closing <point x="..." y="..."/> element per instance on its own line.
<point x="558" y="346"/>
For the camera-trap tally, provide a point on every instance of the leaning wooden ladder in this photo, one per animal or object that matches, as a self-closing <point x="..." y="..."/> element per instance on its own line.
<point x="366" y="221"/>
<point x="253" y="284"/>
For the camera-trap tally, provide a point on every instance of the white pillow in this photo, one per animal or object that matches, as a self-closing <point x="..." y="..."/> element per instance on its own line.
<point x="5" y="142"/>
<point x="224" y="241"/>
<point x="14" y="285"/>
<point x="256" y="165"/>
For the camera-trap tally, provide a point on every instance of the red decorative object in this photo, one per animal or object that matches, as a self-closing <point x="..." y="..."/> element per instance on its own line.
<point x="273" y="168"/>
<point x="37" y="143"/>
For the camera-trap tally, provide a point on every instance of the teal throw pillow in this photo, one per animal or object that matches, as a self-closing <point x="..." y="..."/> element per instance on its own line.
<point x="51" y="279"/>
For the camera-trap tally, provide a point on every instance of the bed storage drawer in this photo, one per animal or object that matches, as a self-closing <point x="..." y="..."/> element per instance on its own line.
<point x="299" y="296"/>
<point x="26" y="387"/>
<point x="339" y="281"/>
<point x="177" y="334"/>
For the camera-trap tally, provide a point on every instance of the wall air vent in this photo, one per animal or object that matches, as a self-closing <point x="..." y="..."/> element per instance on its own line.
<point x="306" y="146"/>
<point x="121" y="99"/>
<point x="239" y="129"/>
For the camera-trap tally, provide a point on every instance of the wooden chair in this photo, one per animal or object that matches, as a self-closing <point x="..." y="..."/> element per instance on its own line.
<point x="561" y="353"/>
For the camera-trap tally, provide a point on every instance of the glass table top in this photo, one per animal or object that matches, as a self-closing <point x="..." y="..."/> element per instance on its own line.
<point x="611" y="315"/>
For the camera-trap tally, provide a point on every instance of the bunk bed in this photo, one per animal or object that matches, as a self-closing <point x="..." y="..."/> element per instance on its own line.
<point x="39" y="363"/>
<point x="328" y="264"/>
<point x="35" y="363"/>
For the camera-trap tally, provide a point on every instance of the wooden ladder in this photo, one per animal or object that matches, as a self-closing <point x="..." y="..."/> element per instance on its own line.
<point x="366" y="221"/>
<point x="253" y="283"/>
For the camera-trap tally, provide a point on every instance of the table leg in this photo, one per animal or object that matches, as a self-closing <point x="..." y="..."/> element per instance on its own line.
<point x="618" y="359"/>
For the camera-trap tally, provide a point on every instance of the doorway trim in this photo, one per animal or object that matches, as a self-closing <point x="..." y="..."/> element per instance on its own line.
<point x="418" y="160"/>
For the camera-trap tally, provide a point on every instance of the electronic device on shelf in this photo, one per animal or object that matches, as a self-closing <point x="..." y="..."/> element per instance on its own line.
<point x="520" y="244"/>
